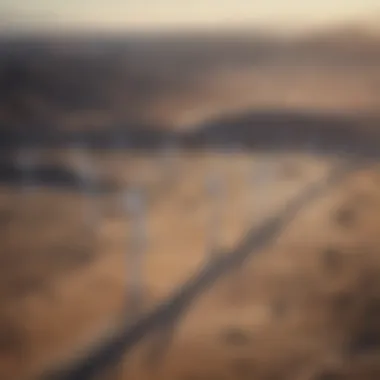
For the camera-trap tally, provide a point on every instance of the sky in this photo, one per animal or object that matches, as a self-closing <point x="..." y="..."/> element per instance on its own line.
<point x="187" y="14"/>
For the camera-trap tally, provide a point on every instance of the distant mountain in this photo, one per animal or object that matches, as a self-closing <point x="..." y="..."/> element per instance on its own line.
<point x="49" y="84"/>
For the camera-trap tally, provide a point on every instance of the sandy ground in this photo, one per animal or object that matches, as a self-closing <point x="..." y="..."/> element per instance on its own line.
<point x="289" y="313"/>
<point x="306" y="308"/>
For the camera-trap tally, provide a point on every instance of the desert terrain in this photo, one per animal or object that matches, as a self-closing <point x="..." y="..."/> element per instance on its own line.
<point x="303" y="307"/>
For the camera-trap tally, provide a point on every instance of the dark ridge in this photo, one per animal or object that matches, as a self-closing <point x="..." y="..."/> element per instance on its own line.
<point x="143" y="137"/>
<point x="271" y="130"/>
<point x="48" y="175"/>
<point x="278" y="130"/>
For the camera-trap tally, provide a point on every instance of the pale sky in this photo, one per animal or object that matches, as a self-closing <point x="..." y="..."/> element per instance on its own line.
<point x="156" y="14"/>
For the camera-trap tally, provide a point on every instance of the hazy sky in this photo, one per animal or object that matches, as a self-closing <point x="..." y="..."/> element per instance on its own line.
<point x="148" y="14"/>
